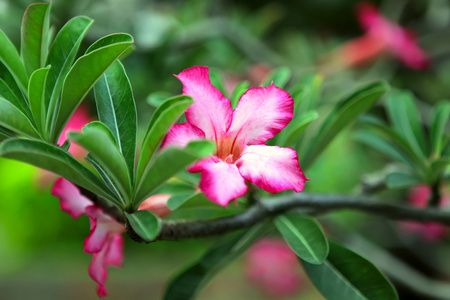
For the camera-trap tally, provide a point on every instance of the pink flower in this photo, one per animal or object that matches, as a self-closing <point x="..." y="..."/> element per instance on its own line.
<point x="79" y="118"/>
<point x="391" y="37"/>
<point x="430" y="232"/>
<point x="105" y="239"/>
<point x="273" y="267"/>
<point x="240" y="137"/>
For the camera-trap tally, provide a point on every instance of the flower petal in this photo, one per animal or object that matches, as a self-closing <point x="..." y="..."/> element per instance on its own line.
<point x="272" y="168"/>
<point x="70" y="198"/>
<point x="221" y="182"/>
<point x="211" y="111"/>
<point x="98" y="272"/>
<point x="181" y="134"/>
<point x="114" y="256"/>
<point x="261" y="113"/>
<point x="157" y="204"/>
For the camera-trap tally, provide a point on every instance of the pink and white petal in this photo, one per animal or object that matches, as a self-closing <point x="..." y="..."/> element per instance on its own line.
<point x="261" y="113"/>
<point x="157" y="204"/>
<point x="221" y="182"/>
<point x="98" y="272"/>
<point x="272" y="168"/>
<point x="70" y="198"/>
<point x="211" y="111"/>
<point x="181" y="134"/>
<point x="114" y="255"/>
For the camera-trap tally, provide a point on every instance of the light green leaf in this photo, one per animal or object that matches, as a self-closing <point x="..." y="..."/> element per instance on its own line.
<point x="145" y="223"/>
<point x="397" y="180"/>
<point x="306" y="93"/>
<point x="53" y="159"/>
<point x="305" y="236"/>
<point x="167" y="164"/>
<point x="279" y="77"/>
<point x="34" y="44"/>
<point x="217" y="81"/>
<point x="36" y="96"/>
<point x="13" y="119"/>
<point x="160" y="123"/>
<point x="117" y="110"/>
<point x="239" y="90"/>
<point x="178" y="200"/>
<point x="290" y="135"/>
<point x="108" y="40"/>
<point x="188" y="284"/>
<point x="81" y="78"/>
<point x="11" y="59"/>
<point x="346" y="275"/>
<point x="61" y="57"/>
<point x="441" y="117"/>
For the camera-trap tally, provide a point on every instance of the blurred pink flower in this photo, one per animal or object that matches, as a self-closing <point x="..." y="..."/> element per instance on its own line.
<point x="273" y="267"/>
<point x="105" y="239"/>
<point x="240" y="137"/>
<point x="80" y="118"/>
<point x="430" y="232"/>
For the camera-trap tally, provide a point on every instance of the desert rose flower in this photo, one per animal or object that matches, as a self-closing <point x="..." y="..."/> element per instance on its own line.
<point x="240" y="137"/>
<point x="272" y="266"/>
<point x="105" y="240"/>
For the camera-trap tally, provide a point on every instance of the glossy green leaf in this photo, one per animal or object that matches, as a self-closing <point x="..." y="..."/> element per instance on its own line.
<point x="398" y="180"/>
<point x="290" y="135"/>
<point x="53" y="159"/>
<point x="81" y="78"/>
<point x="306" y="93"/>
<point x="305" y="236"/>
<point x="116" y="109"/>
<point x="188" y="284"/>
<point x="168" y="163"/>
<point x="407" y="121"/>
<point x="160" y="123"/>
<point x="279" y="77"/>
<point x="108" y="40"/>
<point x="8" y="94"/>
<point x="347" y="275"/>
<point x="178" y="200"/>
<point x="34" y="43"/>
<point x="36" y="97"/>
<point x="239" y="90"/>
<point x="10" y="81"/>
<point x="441" y="117"/>
<point x="61" y="57"/>
<point x="344" y="114"/>
<point x="5" y="134"/>
<point x="11" y="59"/>
<point x="13" y="119"/>
<point x="145" y="224"/>
<point x="99" y="141"/>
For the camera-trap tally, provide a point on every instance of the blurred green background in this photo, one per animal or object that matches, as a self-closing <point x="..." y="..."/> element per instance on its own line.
<point x="41" y="249"/>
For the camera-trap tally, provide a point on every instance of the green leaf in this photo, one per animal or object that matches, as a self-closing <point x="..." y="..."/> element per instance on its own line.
<point x="81" y="78"/>
<point x="155" y="99"/>
<point x="53" y="159"/>
<point x="397" y="180"/>
<point x="178" y="200"/>
<point x="168" y="163"/>
<point x="11" y="59"/>
<point x="344" y="114"/>
<point x="117" y="110"/>
<point x="440" y="118"/>
<point x="61" y="57"/>
<point x="145" y="223"/>
<point x="188" y="284"/>
<point x="217" y="81"/>
<point x="437" y="169"/>
<point x="99" y="141"/>
<point x="111" y="39"/>
<point x="34" y="44"/>
<point x="160" y="123"/>
<point x="36" y="96"/>
<point x="10" y="81"/>
<point x="8" y="94"/>
<point x="347" y="275"/>
<point x="290" y="135"/>
<point x="239" y="90"/>
<point x="13" y="119"/>
<point x="407" y="121"/>
<point x="305" y="236"/>
<point x="306" y="93"/>
<point x="279" y="77"/>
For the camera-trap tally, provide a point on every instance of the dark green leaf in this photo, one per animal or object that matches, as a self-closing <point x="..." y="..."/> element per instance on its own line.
<point x="398" y="180"/>
<point x="437" y="169"/>
<point x="99" y="141"/>
<point x="10" y="81"/>
<point x="188" y="284"/>
<point x="34" y="44"/>
<point x="239" y="90"/>
<point x="440" y="119"/>
<point x="53" y="159"/>
<point x="11" y="59"/>
<point x="61" y="57"/>
<point x="8" y="94"/>
<point x="279" y="77"/>
<point x="305" y="236"/>
<point x="36" y="96"/>
<point x="116" y="109"/>
<point x="344" y="114"/>
<point x="13" y="119"/>
<point x="168" y="163"/>
<point x="145" y="223"/>
<point x="160" y="123"/>
<point x="346" y="275"/>
<point x="5" y="133"/>
<point x="81" y="78"/>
